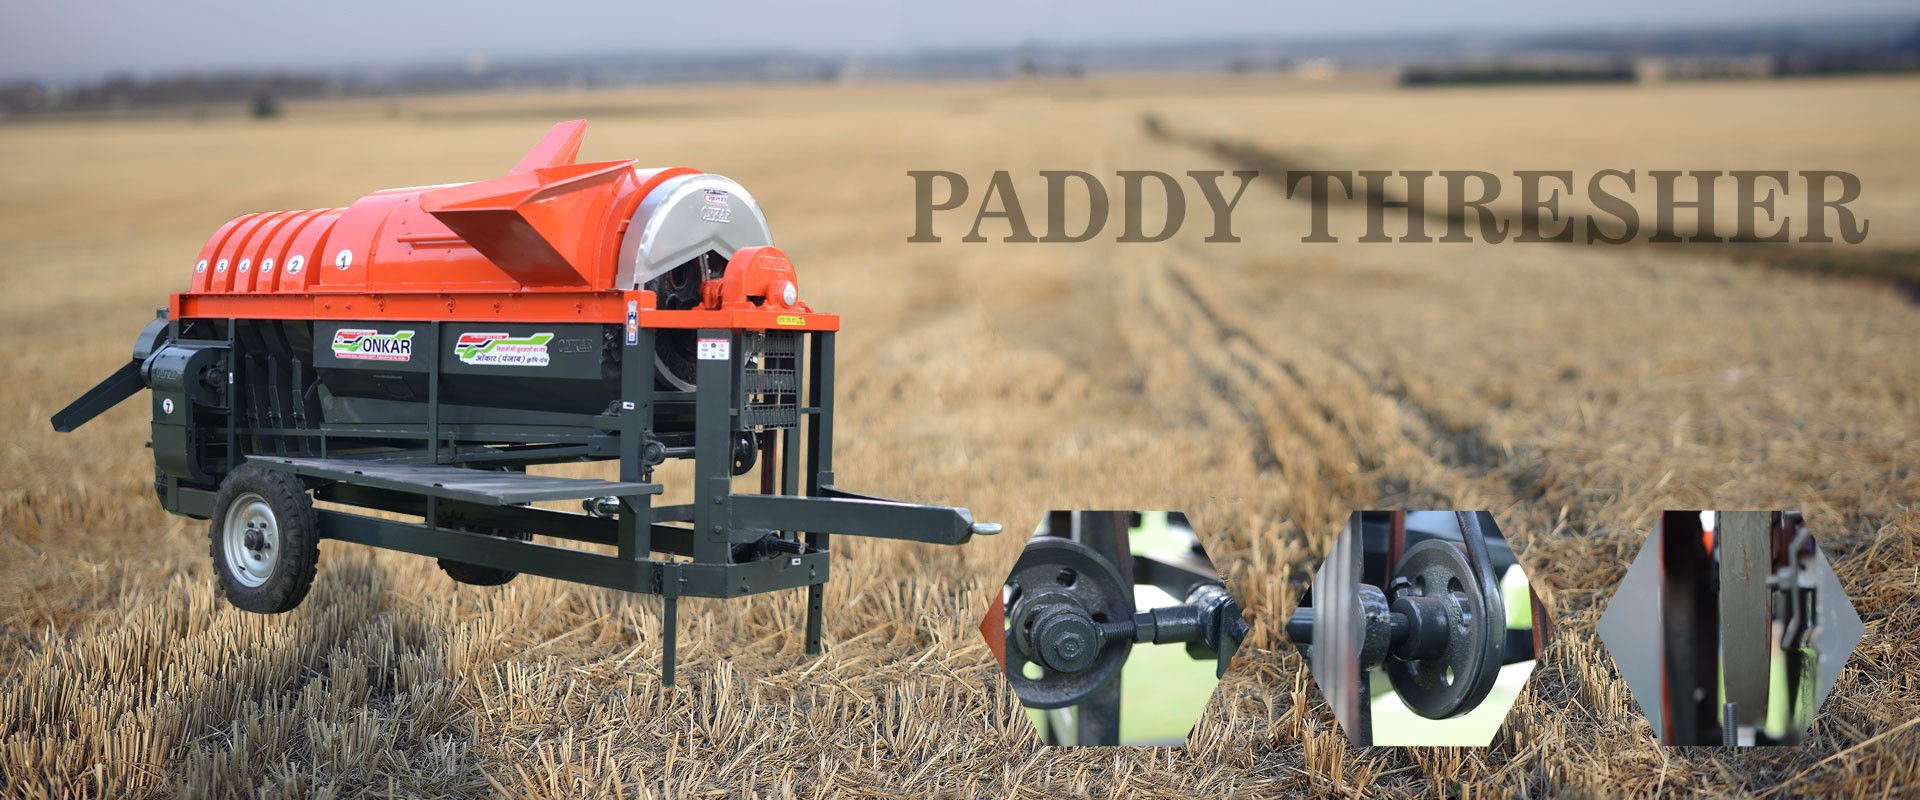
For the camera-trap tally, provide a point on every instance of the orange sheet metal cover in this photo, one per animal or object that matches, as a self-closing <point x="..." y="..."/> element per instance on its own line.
<point x="484" y="250"/>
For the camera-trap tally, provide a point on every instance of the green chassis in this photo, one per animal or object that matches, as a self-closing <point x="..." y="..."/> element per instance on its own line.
<point x="672" y="551"/>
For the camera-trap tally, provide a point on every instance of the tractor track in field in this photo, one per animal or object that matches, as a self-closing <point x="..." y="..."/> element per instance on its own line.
<point x="1411" y="455"/>
<point x="1248" y="356"/>
<point x="1465" y="452"/>
<point x="1188" y="334"/>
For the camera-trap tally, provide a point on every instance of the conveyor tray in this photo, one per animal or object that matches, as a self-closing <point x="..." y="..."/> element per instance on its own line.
<point x="456" y="483"/>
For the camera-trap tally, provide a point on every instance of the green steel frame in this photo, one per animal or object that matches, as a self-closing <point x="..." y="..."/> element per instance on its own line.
<point x="724" y="544"/>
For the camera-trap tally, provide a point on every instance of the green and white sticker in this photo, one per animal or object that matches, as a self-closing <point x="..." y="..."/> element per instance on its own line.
<point x="500" y="349"/>
<point x="368" y="344"/>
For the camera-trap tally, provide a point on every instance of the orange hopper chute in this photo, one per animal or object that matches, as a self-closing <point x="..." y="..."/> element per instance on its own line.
<point x="529" y="221"/>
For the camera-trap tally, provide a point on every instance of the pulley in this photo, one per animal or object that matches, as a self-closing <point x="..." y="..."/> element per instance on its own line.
<point x="1450" y="656"/>
<point x="1069" y="624"/>
<point x="1438" y="629"/>
<point x="681" y="237"/>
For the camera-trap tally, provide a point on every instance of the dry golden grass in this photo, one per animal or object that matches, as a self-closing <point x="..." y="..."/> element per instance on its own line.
<point x="1266" y="387"/>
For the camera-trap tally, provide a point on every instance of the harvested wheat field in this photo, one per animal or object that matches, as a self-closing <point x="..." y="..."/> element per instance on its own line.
<point x="1266" y="387"/>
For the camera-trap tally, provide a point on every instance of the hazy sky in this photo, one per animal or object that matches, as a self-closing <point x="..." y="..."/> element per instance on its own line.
<point x="57" y="40"/>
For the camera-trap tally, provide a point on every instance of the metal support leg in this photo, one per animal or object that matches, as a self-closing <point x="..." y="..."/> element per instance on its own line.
<point x="235" y="400"/>
<point x="432" y="348"/>
<point x="670" y="580"/>
<point x="669" y="632"/>
<point x="713" y="445"/>
<point x="1096" y="718"/>
<point x="816" y="604"/>
<point x="819" y="463"/>
<point x="636" y="429"/>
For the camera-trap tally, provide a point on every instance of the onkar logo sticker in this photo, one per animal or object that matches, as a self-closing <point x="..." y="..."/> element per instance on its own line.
<point x="367" y="344"/>
<point x="502" y="349"/>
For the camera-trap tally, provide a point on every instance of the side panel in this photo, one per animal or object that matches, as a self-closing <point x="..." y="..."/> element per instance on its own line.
<point x="566" y="368"/>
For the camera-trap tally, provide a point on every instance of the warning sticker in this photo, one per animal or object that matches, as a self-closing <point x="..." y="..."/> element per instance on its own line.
<point x="790" y="319"/>
<point x="503" y="350"/>
<point x="366" y="344"/>
<point x="714" y="349"/>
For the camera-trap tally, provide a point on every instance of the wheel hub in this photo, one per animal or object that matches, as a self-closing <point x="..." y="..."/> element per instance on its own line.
<point x="250" y="537"/>
<point x="1066" y="640"/>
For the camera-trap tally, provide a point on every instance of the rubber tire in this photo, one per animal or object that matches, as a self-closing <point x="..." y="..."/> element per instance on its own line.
<point x="298" y="556"/>
<point x="476" y="575"/>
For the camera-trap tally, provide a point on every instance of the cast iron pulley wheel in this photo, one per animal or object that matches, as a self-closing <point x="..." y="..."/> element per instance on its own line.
<point x="1456" y="680"/>
<point x="265" y="540"/>
<point x="1061" y="594"/>
<point x="676" y="362"/>
<point x="476" y="575"/>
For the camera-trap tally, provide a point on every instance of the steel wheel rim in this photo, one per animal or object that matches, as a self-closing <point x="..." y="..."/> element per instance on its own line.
<point x="251" y="563"/>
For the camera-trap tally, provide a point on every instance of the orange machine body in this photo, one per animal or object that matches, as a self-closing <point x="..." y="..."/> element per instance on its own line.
<point x="539" y="244"/>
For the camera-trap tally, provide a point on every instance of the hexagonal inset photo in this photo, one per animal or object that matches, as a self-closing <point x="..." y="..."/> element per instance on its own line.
<point x="1420" y="628"/>
<point x="1730" y="628"/>
<point x="1114" y="628"/>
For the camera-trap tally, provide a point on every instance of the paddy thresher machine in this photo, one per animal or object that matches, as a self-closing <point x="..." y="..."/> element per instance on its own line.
<point x="416" y="351"/>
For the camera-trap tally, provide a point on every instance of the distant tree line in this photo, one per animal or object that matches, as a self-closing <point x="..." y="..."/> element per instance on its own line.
<point x="263" y="92"/>
<point x="1616" y="59"/>
<point x="1530" y="71"/>
<point x="1583" y="57"/>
